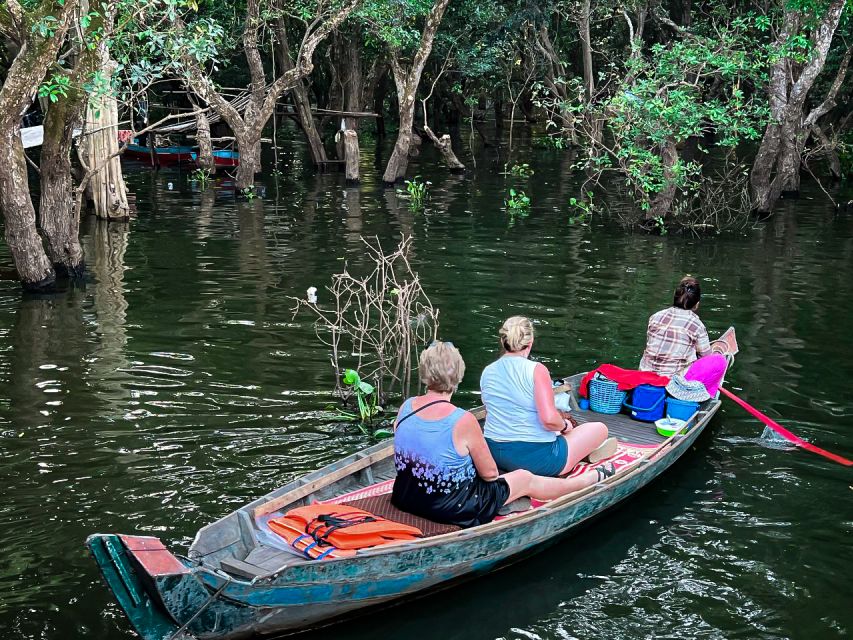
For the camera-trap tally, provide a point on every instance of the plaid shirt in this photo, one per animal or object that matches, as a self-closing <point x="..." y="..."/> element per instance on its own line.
<point x="675" y="338"/>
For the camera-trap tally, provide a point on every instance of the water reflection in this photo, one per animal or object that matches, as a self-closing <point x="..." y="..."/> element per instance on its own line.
<point x="177" y="385"/>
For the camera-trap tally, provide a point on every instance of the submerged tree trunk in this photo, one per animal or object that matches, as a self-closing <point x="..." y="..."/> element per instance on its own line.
<point x="23" y="240"/>
<point x="249" y="145"/>
<point x="59" y="218"/>
<point x="661" y="204"/>
<point x="407" y="82"/>
<point x="301" y="101"/>
<point x="776" y="168"/>
<point x="399" y="160"/>
<point x="101" y="141"/>
<point x="26" y="72"/>
<point x="445" y="147"/>
<point x="351" y="155"/>
<point x="205" y="159"/>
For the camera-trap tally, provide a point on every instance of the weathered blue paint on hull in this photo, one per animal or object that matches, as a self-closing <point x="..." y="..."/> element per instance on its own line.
<point x="315" y="593"/>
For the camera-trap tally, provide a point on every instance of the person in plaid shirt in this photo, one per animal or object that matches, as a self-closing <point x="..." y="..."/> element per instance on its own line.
<point x="677" y="341"/>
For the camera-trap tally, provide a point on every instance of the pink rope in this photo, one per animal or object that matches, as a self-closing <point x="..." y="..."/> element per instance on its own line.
<point x="782" y="431"/>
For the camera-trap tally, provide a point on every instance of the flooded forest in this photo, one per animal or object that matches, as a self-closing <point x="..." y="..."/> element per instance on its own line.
<point x="187" y="185"/>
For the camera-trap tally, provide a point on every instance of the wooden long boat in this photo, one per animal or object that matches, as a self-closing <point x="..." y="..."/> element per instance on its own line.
<point x="222" y="157"/>
<point x="238" y="580"/>
<point x="166" y="156"/>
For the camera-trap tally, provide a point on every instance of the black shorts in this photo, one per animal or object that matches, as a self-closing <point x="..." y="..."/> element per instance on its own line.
<point x="477" y="501"/>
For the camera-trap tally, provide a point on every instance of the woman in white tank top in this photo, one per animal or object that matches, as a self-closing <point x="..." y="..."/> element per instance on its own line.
<point x="523" y="428"/>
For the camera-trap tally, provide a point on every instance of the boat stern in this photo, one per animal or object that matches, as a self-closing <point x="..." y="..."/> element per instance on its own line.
<point x="133" y="567"/>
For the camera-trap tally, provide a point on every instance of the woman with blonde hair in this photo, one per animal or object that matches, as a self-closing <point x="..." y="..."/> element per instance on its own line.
<point x="524" y="429"/>
<point x="445" y="472"/>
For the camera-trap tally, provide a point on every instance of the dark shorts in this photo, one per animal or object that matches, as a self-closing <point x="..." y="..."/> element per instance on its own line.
<point x="474" y="502"/>
<point x="541" y="458"/>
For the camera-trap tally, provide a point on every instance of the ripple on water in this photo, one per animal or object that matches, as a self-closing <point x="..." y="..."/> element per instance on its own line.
<point x="144" y="402"/>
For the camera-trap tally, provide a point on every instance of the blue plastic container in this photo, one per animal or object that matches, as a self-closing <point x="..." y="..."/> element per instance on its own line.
<point x="680" y="409"/>
<point x="604" y="396"/>
<point x="647" y="403"/>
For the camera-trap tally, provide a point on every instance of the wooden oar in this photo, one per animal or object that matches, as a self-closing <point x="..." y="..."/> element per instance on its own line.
<point x="782" y="431"/>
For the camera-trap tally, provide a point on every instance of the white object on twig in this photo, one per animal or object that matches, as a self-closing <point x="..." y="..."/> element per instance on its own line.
<point x="312" y="295"/>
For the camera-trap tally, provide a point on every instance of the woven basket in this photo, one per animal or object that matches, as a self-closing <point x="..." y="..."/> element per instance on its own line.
<point x="605" y="397"/>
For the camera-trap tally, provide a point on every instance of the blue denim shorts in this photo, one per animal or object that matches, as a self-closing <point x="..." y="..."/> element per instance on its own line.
<point x="541" y="458"/>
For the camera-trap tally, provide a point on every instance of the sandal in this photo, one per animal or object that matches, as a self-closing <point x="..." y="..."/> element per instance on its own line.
<point x="604" y="450"/>
<point x="605" y="471"/>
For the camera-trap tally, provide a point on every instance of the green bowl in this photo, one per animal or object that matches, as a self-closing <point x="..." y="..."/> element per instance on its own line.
<point x="670" y="426"/>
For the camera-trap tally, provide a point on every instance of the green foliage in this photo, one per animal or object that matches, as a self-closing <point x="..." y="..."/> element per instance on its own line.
<point x="418" y="192"/>
<point x="367" y="401"/>
<point x="550" y="141"/>
<point x="521" y="170"/>
<point x="517" y="203"/>
<point x="582" y="209"/>
<point x="202" y="176"/>
<point x="689" y="88"/>
<point x="365" y="394"/>
<point x="55" y="87"/>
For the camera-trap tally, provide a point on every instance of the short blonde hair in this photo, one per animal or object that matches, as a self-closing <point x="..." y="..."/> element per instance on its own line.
<point x="516" y="333"/>
<point x="441" y="367"/>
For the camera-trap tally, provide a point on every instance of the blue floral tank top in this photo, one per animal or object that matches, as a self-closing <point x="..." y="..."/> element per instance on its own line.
<point x="424" y="451"/>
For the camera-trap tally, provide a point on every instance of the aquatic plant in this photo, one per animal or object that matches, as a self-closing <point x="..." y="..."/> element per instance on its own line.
<point x="521" y="170"/>
<point x="202" y="176"/>
<point x="418" y="192"/>
<point x="582" y="208"/>
<point x="377" y="321"/>
<point x="517" y="203"/>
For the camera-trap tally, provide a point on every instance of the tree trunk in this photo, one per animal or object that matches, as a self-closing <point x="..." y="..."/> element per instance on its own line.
<point x="204" y="159"/>
<point x="586" y="49"/>
<point x="349" y="47"/>
<point x="407" y="83"/>
<point x="832" y="158"/>
<point x="23" y="240"/>
<point x="26" y="72"/>
<point x="101" y="141"/>
<point x="351" y="154"/>
<point x="791" y="159"/>
<point x="445" y="147"/>
<point x="249" y="147"/>
<point x="395" y="171"/>
<point x="782" y="145"/>
<point x="661" y="204"/>
<point x="59" y="217"/>
<point x="301" y="100"/>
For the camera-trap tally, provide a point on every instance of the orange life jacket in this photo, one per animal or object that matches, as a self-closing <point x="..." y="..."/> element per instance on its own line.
<point x="337" y="531"/>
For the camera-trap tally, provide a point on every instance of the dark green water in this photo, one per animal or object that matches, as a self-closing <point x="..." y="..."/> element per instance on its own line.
<point x="176" y="385"/>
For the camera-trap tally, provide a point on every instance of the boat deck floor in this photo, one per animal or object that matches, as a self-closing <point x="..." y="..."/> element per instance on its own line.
<point x="623" y="427"/>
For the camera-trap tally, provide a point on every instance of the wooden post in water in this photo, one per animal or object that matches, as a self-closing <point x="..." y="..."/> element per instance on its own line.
<point x="351" y="153"/>
<point x="101" y="142"/>
<point x="205" y="147"/>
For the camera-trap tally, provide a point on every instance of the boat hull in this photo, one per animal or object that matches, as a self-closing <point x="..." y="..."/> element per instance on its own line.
<point x="166" y="156"/>
<point x="313" y="594"/>
<point x="222" y="158"/>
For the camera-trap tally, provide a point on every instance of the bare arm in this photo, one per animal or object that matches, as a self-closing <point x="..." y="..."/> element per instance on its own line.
<point x="544" y="396"/>
<point x="467" y="437"/>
